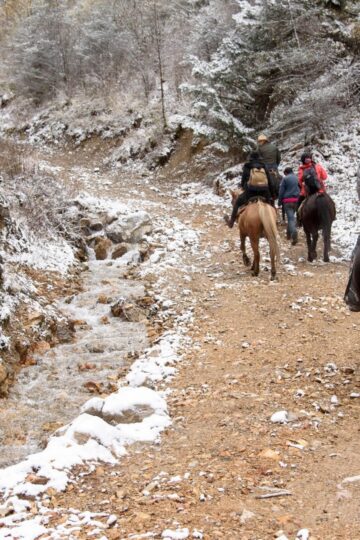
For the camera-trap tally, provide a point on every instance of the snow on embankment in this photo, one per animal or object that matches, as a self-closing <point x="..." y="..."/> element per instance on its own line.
<point x="22" y="251"/>
<point x="341" y="160"/>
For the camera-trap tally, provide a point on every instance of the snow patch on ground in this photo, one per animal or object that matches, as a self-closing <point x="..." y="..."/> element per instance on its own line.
<point x="196" y="193"/>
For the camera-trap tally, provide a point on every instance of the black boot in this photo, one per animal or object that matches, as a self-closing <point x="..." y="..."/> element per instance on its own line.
<point x="240" y="201"/>
<point x="229" y="221"/>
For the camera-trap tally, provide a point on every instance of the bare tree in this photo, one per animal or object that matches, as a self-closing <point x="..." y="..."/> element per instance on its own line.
<point x="159" y="53"/>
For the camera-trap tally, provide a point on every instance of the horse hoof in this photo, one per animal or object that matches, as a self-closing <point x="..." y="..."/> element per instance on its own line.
<point x="273" y="277"/>
<point x="310" y="259"/>
<point x="246" y="261"/>
<point x="254" y="274"/>
<point x="326" y="259"/>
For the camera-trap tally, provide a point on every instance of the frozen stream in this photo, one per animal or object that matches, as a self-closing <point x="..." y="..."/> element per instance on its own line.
<point x="51" y="393"/>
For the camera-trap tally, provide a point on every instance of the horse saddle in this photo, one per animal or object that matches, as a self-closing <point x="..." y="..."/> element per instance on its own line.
<point x="257" y="198"/>
<point x="252" y="200"/>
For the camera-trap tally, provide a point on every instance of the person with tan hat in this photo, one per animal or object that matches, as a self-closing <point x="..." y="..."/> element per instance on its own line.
<point x="270" y="155"/>
<point x="268" y="152"/>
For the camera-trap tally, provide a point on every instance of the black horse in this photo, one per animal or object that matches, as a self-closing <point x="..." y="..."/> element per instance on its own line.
<point x="352" y="292"/>
<point x="317" y="213"/>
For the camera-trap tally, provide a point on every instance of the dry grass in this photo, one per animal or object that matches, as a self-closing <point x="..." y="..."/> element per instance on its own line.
<point x="11" y="163"/>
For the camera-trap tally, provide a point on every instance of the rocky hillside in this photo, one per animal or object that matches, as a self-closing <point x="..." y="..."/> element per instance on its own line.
<point x="135" y="75"/>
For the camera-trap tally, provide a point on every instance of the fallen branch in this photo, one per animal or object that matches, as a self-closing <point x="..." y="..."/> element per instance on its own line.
<point x="275" y="494"/>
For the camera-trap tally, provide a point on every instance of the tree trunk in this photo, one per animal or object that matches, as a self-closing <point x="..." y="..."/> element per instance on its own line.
<point x="160" y="63"/>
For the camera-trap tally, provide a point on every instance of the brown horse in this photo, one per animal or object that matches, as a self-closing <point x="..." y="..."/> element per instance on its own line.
<point x="258" y="220"/>
<point x="317" y="213"/>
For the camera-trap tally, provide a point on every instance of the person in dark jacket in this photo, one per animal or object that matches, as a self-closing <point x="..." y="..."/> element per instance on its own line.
<point x="288" y="198"/>
<point x="268" y="152"/>
<point x="266" y="191"/>
<point x="270" y="155"/>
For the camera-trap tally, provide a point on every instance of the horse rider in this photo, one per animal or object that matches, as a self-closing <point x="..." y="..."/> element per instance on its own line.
<point x="268" y="152"/>
<point x="288" y="197"/>
<point x="309" y="168"/>
<point x="255" y="182"/>
<point x="270" y="155"/>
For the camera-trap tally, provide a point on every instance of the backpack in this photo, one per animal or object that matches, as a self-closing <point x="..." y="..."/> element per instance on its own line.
<point x="258" y="177"/>
<point x="311" y="181"/>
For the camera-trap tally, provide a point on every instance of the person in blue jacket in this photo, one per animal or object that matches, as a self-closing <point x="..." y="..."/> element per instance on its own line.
<point x="288" y="198"/>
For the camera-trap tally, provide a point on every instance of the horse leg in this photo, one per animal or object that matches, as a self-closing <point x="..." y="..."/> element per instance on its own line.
<point x="256" y="264"/>
<point x="273" y="266"/>
<point x="326" y="238"/>
<point x="315" y="238"/>
<point x="309" y="246"/>
<point x="246" y="259"/>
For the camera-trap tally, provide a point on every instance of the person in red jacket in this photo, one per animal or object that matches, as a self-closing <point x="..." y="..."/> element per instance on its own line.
<point x="308" y="164"/>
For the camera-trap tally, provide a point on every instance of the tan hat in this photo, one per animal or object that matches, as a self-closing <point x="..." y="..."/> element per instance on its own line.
<point x="262" y="137"/>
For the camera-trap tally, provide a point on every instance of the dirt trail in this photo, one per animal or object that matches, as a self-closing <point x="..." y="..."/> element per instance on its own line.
<point x="257" y="349"/>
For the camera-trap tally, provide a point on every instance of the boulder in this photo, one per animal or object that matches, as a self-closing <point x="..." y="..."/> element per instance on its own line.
<point x="34" y="318"/>
<point x="119" y="251"/>
<point x="22" y="348"/>
<point x="65" y="330"/>
<point x="130" y="228"/>
<point x="144" y="249"/>
<point x="115" y="232"/>
<point x="84" y="223"/>
<point x="101" y="248"/>
<point x="127" y="311"/>
<point x="131" y="258"/>
<point x="96" y="226"/>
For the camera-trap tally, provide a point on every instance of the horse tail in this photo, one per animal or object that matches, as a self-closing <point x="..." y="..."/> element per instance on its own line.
<point x="268" y="220"/>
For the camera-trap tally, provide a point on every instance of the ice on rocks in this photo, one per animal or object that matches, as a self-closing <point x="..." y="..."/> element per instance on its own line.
<point x="179" y="534"/>
<point x="351" y="479"/>
<point x="280" y="417"/>
<point x="157" y="363"/>
<point x="246" y="515"/>
<point x="303" y="534"/>
<point x="131" y="228"/>
<point x="88" y="438"/>
<point x="127" y="399"/>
